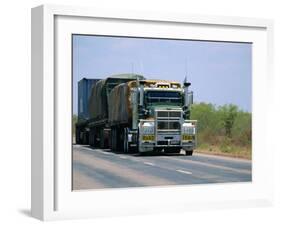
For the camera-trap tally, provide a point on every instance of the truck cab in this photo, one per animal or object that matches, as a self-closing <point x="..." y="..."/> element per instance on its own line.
<point x="164" y="118"/>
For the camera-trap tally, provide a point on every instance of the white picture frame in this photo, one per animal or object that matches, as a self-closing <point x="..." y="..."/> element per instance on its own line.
<point x="52" y="197"/>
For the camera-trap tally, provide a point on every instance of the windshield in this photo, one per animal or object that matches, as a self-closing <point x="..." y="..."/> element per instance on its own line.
<point x="163" y="97"/>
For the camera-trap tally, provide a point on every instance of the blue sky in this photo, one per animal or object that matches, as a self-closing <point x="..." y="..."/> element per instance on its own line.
<point x="219" y="72"/>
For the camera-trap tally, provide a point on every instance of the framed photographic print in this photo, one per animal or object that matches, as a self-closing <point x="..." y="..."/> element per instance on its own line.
<point x="137" y="112"/>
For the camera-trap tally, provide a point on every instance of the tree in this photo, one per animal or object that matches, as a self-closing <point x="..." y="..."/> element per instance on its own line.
<point x="228" y="116"/>
<point x="206" y="116"/>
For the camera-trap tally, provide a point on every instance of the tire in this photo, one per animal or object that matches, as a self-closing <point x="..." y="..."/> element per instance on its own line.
<point x="113" y="139"/>
<point x="77" y="135"/>
<point x="91" y="137"/>
<point x="85" y="138"/>
<point x="138" y="133"/>
<point x="125" y="140"/>
<point x="189" y="153"/>
<point x="118" y="139"/>
<point x="106" y="135"/>
<point x="116" y="142"/>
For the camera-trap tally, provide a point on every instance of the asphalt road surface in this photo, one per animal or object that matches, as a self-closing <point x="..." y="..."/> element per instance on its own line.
<point x="101" y="168"/>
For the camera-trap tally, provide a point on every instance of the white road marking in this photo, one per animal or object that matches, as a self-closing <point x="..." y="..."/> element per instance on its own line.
<point x="89" y="149"/>
<point x="197" y="162"/>
<point x="106" y="153"/>
<point x="123" y="157"/>
<point x="183" y="171"/>
<point x="149" y="163"/>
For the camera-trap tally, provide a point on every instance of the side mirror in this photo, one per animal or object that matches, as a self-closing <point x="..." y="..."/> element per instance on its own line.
<point x="189" y="98"/>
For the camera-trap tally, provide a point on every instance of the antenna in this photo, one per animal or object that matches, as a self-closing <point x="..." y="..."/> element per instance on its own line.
<point x="132" y="67"/>
<point x="138" y="81"/>
<point x="186" y="66"/>
<point x="185" y="82"/>
<point x="141" y="67"/>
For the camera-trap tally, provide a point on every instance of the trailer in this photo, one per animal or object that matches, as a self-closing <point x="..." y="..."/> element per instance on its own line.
<point x="92" y="127"/>
<point x="84" y="92"/>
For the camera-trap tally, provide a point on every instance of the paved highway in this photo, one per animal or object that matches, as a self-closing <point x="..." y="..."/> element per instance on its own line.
<point x="100" y="168"/>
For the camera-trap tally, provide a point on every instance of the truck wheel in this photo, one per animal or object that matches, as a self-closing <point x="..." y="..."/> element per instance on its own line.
<point x="189" y="153"/>
<point x="91" y="137"/>
<point x="138" y="150"/>
<point x="85" y="137"/>
<point x="77" y="135"/>
<point x="125" y="140"/>
<point x="113" y="139"/>
<point x="118" y="139"/>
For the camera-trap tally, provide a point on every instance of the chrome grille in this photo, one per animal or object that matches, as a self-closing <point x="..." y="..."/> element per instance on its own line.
<point x="168" y="114"/>
<point x="175" y="114"/>
<point x="163" y="114"/>
<point x="168" y="120"/>
<point x="166" y="125"/>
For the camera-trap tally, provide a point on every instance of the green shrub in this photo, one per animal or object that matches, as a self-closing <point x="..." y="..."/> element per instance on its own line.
<point x="224" y="126"/>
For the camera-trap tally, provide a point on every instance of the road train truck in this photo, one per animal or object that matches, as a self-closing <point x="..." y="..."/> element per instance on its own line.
<point x="130" y="113"/>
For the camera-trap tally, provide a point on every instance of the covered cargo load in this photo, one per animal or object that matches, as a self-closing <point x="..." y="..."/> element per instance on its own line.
<point x="100" y="95"/>
<point x="98" y="101"/>
<point x="120" y="106"/>
<point x="84" y="92"/>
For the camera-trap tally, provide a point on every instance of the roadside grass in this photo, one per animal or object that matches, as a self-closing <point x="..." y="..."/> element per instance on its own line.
<point x="214" y="144"/>
<point x="225" y="150"/>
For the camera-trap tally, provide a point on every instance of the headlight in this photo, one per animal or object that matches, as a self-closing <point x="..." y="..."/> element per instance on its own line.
<point x="147" y="128"/>
<point x="188" y="128"/>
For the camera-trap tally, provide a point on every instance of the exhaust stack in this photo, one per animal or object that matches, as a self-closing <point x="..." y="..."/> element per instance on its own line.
<point x="188" y="97"/>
